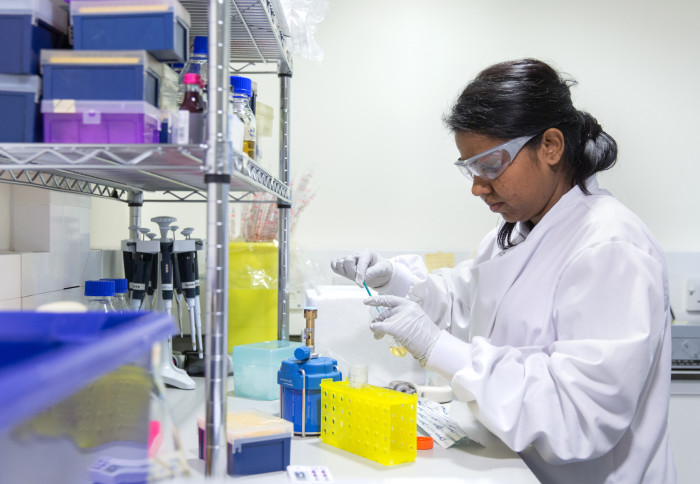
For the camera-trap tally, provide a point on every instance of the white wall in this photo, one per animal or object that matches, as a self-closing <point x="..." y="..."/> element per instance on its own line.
<point x="368" y="117"/>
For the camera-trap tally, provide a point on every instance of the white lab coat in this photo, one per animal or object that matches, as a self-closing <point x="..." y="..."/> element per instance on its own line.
<point x="561" y="344"/>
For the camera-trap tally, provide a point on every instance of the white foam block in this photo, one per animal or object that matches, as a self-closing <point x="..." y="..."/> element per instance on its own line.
<point x="342" y="332"/>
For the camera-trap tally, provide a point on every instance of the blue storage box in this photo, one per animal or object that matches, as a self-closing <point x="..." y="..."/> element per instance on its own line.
<point x="158" y="26"/>
<point x="102" y="75"/>
<point x="19" y="108"/>
<point x="75" y="395"/>
<point x="26" y="27"/>
<point x="256" y="442"/>
<point x="255" y="368"/>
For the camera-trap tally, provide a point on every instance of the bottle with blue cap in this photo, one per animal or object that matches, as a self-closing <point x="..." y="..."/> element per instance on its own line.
<point x="241" y="94"/>
<point x="120" y="301"/>
<point x="98" y="296"/>
<point x="198" y="63"/>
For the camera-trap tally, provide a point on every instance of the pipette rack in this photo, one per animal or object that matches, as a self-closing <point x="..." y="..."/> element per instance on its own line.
<point x="372" y="422"/>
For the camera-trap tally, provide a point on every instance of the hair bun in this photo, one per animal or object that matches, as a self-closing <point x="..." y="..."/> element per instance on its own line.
<point x="590" y="128"/>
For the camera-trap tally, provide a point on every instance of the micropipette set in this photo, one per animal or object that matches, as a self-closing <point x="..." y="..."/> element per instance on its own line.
<point x="165" y="269"/>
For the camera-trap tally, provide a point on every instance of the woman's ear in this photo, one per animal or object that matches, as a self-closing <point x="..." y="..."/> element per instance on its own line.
<point x="552" y="146"/>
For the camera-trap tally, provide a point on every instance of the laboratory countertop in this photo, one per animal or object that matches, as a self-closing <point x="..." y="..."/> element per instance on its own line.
<point x="463" y="463"/>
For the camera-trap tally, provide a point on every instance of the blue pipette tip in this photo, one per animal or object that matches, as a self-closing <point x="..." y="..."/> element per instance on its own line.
<point x="370" y="294"/>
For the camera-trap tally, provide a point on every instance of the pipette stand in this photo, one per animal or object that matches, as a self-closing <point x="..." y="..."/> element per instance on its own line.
<point x="172" y="375"/>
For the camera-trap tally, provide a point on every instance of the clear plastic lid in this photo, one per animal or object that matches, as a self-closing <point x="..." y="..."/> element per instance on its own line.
<point x="246" y="424"/>
<point x="21" y="83"/>
<point x="44" y="10"/>
<point x="73" y="106"/>
<point x="99" y="57"/>
<point x="133" y="7"/>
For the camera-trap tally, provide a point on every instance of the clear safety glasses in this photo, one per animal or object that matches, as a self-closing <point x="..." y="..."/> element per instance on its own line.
<point x="491" y="163"/>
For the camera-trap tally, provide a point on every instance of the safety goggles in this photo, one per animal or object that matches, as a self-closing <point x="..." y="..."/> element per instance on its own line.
<point x="491" y="163"/>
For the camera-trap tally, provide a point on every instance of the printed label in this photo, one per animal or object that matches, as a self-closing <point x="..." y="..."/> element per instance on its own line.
<point x="136" y="286"/>
<point x="189" y="285"/>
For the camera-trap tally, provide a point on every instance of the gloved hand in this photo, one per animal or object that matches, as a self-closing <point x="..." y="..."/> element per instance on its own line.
<point x="366" y="266"/>
<point x="406" y="321"/>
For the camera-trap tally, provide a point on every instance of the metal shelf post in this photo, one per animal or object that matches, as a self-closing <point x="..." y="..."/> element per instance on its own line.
<point x="218" y="180"/>
<point x="285" y="77"/>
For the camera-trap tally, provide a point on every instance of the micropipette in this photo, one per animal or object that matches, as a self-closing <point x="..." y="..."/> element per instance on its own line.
<point x="394" y="346"/>
<point x="185" y="261"/>
<point x="166" y="268"/>
<point x="176" y="281"/>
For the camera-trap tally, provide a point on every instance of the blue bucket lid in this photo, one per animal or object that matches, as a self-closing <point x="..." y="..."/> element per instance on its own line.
<point x="201" y="45"/>
<point x="315" y="369"/>
<point x="242" y="85"/>
<point x="120" y="285"/>
<point x="99" y="288"/>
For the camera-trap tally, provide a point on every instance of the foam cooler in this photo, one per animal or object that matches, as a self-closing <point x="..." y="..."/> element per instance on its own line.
<point x="257" y="442"/>
<point x="26" y="27"/>
<point x="19" y="108"/>
<point x="94" y="75"/>
<point x="75" y="395"/>
<point x="159" y="26"/>
<point x="71" y="121"/>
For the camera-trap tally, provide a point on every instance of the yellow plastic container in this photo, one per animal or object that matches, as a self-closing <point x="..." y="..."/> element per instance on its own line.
<point x="252" y="292"/>
<point x="372" y="422"/>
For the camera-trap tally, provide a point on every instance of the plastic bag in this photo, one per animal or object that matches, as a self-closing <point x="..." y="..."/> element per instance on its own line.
<point x="302" y="17"/>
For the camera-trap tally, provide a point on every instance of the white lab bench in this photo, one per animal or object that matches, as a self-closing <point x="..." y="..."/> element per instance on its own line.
<point x="469" y="463"/>
<point x="684" y="428"/>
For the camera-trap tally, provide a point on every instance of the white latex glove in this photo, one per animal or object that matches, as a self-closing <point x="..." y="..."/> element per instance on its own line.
<point x="366" y="266"/>
<point x="406" y="321"/>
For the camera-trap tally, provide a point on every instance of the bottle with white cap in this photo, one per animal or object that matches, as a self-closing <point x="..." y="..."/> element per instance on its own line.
<point x="98" y="296"/>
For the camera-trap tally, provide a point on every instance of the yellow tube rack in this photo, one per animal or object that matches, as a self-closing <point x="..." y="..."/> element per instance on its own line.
<point x="372" y="422"/>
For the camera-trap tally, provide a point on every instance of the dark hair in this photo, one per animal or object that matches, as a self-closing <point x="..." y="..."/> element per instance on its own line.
<point x="526" y="97"/>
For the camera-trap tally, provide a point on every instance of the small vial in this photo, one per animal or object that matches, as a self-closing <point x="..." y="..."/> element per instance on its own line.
<point x="98" y="296"/>
<point x="357" y="377"/>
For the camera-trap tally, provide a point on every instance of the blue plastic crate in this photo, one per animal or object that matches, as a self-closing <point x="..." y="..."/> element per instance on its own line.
<point x="158" y="26"/>
<point x="127" y="75"/>
<point x="26" y="27"/>
<point x="19" y="109"/>
<point x="75" y="393"/>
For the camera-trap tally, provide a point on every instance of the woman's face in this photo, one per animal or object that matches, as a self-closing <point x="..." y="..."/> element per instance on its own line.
<point x="531" y="184"/>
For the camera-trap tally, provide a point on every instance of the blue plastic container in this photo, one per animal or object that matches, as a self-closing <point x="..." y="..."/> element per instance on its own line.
<point x="75" y="394"/>
<point x="19" y="108"/>
<point x="300" y="383"/>
<point x="158" y="26"/>
<point x="256" y="442"/>
<point x="128" y="75"/>
<point x="26" y="27"/>
<point x="255" y="368"/>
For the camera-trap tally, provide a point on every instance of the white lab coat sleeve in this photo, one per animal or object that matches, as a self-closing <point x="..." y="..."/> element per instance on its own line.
<point x="576" y="398"/>
<point x="443" y="295"/>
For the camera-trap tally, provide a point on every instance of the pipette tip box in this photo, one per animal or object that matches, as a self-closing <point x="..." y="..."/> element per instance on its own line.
<point x="372" y="422"/>
<point x="75" y="393"/>
<point x="256" y="442"/>
<point x="100" y="75"/>
<point x="158" y="26"/>
<point x="19" y="108"/>
<point x="255" y="367"/>
<point x="71" y="121"/>
<point x="26" y="27"/>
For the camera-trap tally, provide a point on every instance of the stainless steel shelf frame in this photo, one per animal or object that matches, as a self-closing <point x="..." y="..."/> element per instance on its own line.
<point x="239" y="31"/>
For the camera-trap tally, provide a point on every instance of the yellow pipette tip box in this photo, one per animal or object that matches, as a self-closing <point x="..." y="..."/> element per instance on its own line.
<point x="376" y="423"/>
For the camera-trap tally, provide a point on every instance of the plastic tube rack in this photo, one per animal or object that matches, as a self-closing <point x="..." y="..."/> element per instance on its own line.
<point x="372" y="422"/>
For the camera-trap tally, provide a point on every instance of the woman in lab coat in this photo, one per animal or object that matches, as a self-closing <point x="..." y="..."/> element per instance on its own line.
<point x="557" y="334"/>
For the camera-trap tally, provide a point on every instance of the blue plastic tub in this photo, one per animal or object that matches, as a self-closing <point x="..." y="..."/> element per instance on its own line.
<point x="75" y="394"/>
<point x="19" y="109"/>
<point x="26" y="27"/>
<point x="158" y="26"/>
<point x="102" y="75"/>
